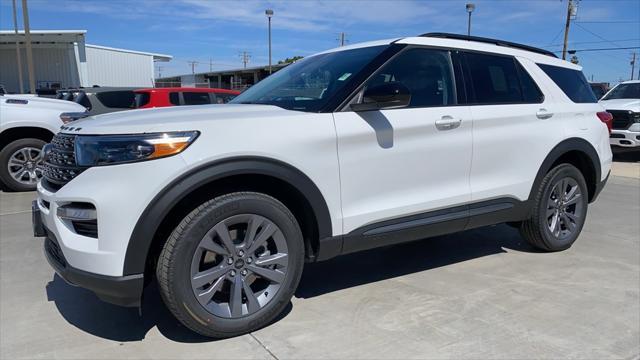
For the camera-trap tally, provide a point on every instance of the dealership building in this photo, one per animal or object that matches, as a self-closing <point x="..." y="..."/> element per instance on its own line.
<point x="63" y="59"/>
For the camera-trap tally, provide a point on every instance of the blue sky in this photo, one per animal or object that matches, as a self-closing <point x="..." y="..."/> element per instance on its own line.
<point x="202" y="29"/>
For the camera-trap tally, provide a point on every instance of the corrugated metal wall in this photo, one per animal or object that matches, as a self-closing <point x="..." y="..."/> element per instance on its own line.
<point x="51" y="63"/>
<point x="116" y="68"/>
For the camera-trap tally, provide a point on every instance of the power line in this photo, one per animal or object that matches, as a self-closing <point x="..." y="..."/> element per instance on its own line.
<point x="608" y="22"/>
<point x="602" y="49"/>
<point x="589" y="42"/>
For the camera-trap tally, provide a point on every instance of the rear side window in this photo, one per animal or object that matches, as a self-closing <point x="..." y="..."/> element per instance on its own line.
<point x="174" y="98"/>
<point x="495" y="79"/>
<point x="196" y="98"/>
<point x="572" y="82"/>
<point x="117" y="99"/>
<point x="142" y="99"/>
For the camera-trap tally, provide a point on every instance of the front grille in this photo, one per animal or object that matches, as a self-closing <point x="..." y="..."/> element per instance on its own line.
<point x="59" y="166"/>
<point x="622" y="119"/>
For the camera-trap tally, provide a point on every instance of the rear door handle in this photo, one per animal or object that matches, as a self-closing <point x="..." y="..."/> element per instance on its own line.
<point x="448" y="123"/>
<point x="544" y="114"/>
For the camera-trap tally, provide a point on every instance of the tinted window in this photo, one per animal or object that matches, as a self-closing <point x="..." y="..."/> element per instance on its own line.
<point x="224" y="98"/>
<point x="624" y="91"/>
<point x="142" y="99"/>
<point x="196" y="98"/>
<point x="174" y="98"/>
<point x="494" y="79"/>
<point x="572" y="82"/>
<point x="82" y="99"/>
<point x="598" y="90"/>
<point x="427" y="74"/>
<point x="117" y="99"/>
<point x="310" y="84"/>
<point x="531" y="94"/>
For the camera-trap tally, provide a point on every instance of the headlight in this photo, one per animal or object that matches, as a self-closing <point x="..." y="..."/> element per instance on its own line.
<point x="117" y="149"/>
<point x="68" y="117"/>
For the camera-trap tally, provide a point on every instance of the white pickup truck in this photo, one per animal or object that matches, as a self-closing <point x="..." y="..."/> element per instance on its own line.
<point x="26" y="124"/>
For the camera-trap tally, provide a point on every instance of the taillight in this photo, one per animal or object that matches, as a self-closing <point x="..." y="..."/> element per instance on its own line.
<point x="607" y="119"/>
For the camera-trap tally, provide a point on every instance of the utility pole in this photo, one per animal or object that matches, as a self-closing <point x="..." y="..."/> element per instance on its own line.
<point x="210" y="64"/>
<point x="27" y="33"/>
<point x="15" y="27"/>
<point x="159" y="71"/>
<point x="342" y="39"/>
<point x="572" y="10"/>
<point x="244" y="57"/>
<point x="193" y="66"/>
<point x="633" y="64"/>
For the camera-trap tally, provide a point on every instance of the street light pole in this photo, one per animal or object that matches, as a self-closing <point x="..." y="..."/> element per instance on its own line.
<point x="19" y="61"/>
<point x="269" y="14"/>
<point x="470" y="7"/>
<point x="27" y="33"/>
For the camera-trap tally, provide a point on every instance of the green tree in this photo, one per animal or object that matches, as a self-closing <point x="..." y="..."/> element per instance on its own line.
<point x="290" y="60"/>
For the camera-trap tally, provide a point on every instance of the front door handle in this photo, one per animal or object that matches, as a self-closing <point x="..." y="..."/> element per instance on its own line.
<point x="544" y="114"/>
<point x="448" y="123"/>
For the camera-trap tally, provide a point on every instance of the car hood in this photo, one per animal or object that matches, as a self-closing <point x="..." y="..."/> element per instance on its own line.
<point x="178" y="118"/>
<point x="45" y="103"/>
<point x="622" y="104"/>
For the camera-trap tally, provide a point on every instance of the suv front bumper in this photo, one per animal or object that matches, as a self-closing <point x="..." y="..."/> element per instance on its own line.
<point x="625" y="138"/>
<point x="118" y="290"/>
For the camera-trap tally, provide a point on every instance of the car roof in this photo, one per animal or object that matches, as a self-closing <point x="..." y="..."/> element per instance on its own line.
<point x="97" y="89"/>
<point x="630" y="82"/>
<point x="191" y="89"/>
<point x="469" y="43"/>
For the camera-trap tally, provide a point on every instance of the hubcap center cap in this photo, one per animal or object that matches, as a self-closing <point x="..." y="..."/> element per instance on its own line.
<point x="239" y="264"/>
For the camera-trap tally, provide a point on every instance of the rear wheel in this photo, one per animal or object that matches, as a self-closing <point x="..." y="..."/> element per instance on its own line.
<point x="19" y="164"/>
<point x="560" y="210"/>
<point x="232" y="265"/>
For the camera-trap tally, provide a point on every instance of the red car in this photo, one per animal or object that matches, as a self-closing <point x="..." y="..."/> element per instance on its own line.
<point x="176" y="96"/>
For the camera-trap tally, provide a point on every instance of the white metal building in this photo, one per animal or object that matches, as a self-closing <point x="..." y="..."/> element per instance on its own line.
<point x="63" y="59"/>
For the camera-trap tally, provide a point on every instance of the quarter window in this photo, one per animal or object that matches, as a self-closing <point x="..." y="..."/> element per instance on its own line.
<point x="572" y="82"/>
<point x="426" y="72"/>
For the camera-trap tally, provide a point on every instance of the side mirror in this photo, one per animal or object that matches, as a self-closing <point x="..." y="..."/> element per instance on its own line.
<point x="389" y="95"/>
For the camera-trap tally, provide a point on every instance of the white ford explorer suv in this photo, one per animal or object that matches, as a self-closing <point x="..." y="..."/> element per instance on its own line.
<point x="358" y="147"/>
<point x="623" y="102"/>
<point x="27" y="123"/>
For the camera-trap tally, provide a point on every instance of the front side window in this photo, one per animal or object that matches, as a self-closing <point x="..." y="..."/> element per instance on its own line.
<point x="571" y="82"/>
<point x="196" y="98"/>
<point x="494" y="79"/>
<point x="624" y="91"/>
<point x="310" y="84"/>
<point x="425" y="72"/>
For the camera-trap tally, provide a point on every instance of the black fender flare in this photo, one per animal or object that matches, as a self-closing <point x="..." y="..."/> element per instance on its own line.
<point x="152" y="217"/>
<point x="571" y="144"/>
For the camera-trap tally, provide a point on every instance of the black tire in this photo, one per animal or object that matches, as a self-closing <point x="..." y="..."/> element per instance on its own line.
<point x="536" y="229"/>
<point x="7" y="180"/>
<point x="174" y="264"/>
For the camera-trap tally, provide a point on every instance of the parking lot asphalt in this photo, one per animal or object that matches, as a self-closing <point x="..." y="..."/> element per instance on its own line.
<point x="483" y="293"/>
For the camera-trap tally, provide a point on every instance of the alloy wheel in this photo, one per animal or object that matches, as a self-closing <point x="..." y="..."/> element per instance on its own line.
<point x="565" y="208"/>
<point x="24" y="165"/>
<point x="239" y="265"/>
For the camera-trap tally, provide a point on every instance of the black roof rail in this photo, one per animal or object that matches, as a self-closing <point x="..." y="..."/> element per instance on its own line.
<point x="489" y="41"/>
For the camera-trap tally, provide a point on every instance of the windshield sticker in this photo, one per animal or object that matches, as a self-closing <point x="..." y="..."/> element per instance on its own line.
<point x="344" y="77"/>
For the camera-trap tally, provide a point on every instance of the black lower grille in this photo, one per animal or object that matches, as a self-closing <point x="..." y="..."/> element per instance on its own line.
<point x="55" y="254"/>
<point x="86" y="227"/>
<point x="617" y="136"/>
<point x="59" y="165"/>
<point x="622" y="119"/>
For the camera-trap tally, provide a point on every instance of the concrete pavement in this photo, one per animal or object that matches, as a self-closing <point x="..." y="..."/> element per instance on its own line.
<point x="477" y="294"/>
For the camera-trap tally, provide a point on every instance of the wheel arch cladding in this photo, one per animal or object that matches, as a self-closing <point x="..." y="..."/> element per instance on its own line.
<point x="275" y="178"/>
<point x="23" y="132"/>
<point x="577" y="152"/>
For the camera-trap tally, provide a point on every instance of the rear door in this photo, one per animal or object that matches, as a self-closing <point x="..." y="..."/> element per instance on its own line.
<point x="408" y="161"/>
<point x="514" y="125"/>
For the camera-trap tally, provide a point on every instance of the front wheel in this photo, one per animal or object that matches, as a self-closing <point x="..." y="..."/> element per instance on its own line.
<point x="232" y="265"/>
<point x="560" y="210"/>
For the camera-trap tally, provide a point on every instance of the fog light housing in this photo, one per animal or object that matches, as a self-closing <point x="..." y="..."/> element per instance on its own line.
<point x="82" y="218"/>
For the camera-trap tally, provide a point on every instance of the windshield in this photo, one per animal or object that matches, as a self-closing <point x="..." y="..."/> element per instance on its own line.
<point x="624" y="91"/>
<point x="308" y="85"/>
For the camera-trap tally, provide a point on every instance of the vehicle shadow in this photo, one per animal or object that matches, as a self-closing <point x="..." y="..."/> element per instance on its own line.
<point x="83" y="309"/>
<point x="626" y="154"/>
